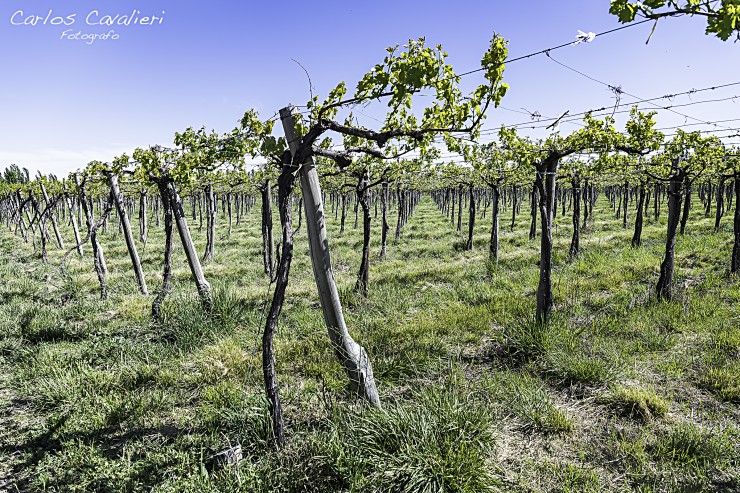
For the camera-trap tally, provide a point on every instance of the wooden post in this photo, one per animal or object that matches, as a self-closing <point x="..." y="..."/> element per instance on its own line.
<point x="75" y="228"/>
<point x="204" y="288"/>
<point x="60" y="242"/>
<point x="126" y="225"/>
<point x="352" y="356"/>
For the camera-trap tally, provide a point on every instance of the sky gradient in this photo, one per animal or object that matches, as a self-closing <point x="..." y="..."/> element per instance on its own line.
<point x="65" y="102"/>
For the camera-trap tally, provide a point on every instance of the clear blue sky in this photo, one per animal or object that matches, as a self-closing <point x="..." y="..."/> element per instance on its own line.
<point x="65" y="102"/>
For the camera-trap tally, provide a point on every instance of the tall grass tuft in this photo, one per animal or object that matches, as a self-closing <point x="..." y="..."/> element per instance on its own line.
<point x="440" y="442"/>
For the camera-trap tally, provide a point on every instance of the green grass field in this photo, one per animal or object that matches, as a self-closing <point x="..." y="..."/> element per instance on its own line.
<point x="618" y="393"/>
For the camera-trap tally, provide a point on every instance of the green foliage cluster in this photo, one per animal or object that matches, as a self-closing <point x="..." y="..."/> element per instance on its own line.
<point x="723" y="17"/>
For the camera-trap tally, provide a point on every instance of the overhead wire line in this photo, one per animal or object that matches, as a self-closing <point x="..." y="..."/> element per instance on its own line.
<point x="603" y="111"/>
<point x="619" y="91"/>
<point x="541" y="52"/>
<point x="608" y="108"/>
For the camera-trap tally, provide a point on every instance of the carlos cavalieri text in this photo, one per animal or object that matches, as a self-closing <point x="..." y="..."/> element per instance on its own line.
<point x="93" y="18"/>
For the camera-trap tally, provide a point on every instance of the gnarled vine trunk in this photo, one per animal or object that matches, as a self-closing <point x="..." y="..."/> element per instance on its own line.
<point x="545" y="183"/>
<point x="459" y="208"/>
<point x="344" y="213"/>
<point x="361" y="286"/>
<point x="514" y="198"/>
<point x="625" y="203"/>
<point x="665" y="281"/>
<point x="142" y="218"/>
<point x="686" y="209"/>
<point x="210" y="252"/>
<point x="268" y="243"/>
<point x="637" y="236"/>
<point x="533" y="211"/>
<point x="401" y="207"/>
<point x="471" y="218"/>
<point x="575" y="242"/>
<point x="735" y="264"/>
<point x="384" y="225"/>
<point x="285" y="200"/>
<point x="720" y="209"/>
<point x="495" y="198"/>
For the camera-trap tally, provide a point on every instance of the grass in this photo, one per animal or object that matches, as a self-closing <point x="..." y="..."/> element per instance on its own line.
<point x="442" y="440"/>
<point x="618" y="392"/>
<point x="721" y="373"/>
<point x="635" y="402"/>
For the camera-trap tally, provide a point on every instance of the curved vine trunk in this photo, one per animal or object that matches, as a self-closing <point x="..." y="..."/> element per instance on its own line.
<point x="665" y="281"/>
<point x="142" y="218"/>
<point x="686" y="209"/>
<point x="708" y="200"/>
<point x="228" y="211"/>
<point x="44" y="234"/>
<point x="648" y="195"/>
<point x="128" y="235"/>
<point x="351" y="355"/>
<point x="384" y="226"/>
<point x="625" y="204"/>
<point x="356" y="219"/>
<point x="545" y="302"/>
<point x="459" y="208"/>
<point x="575" y="242"/>
<point x="495" y="198"/>
<point x="200" y="212"/>
<point x="211" y="224"/>
<point x="514" y="198"/>
<point x="533" y="211"/>
<point x="637" y="236"/>
<point x="401" y="206"/>
<point x="268" y="243"/>
<point x="452" y="214"/>
<point x="361" y="286"/>
<point x="238" y="200"/>
<point x="344" y="213"/>
<point x="285" y="201"/>
<point x="720" y="209"/>
<point x="471" y="218"/>
<point x="735" y="267"/>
